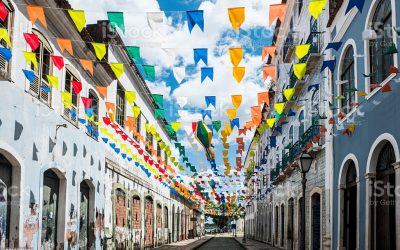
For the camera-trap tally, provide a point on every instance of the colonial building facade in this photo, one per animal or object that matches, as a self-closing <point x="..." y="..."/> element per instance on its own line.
<point x="62" y="185"/>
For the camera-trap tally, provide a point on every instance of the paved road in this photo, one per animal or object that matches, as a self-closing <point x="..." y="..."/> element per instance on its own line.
<point x="221" y="243"/>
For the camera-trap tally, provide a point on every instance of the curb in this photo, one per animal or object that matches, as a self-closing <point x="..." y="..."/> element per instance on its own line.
<point x="240" y="243"/>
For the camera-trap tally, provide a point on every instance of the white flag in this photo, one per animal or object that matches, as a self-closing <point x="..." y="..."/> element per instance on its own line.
<point x="179" y="74"/>
<point x="182" y="101"/>
<point x="170" y="56"/>
<point x="155" y="20"/>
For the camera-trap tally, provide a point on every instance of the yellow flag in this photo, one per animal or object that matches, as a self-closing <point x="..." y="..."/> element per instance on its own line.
<point x="4" y="36"/>
<point x="316" y="6"/>
<point x="361" y="93"/>
<point x="289" y="93"/>
<point x="279" y="107"/>
<point x="236" y="16"/>
<point x="130" y="96"/>
<point x="136" y="111"/>
<point x="175" y="126"/>
<point x="238" y="73"/>
<point x="236" y="55"/>
<point x="31" y="58"/>
<point x="228" y="128"/>
<point x="53" y="80"/>
<point x="118" y="69"/>
<point x="78" y="16"/>
<point x="300" y="70"/>
<point x="271" y="122"/>
<point x="236" y="100"/>
<point x="302" y="50"/>
<point x="231" y="113"/>
<point x="66" y="99"/>
<point x="100" y="50"/>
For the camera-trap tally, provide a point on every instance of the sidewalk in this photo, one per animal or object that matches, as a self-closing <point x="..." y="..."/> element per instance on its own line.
<point x="255" y="245"/>
<point x="186" y="244"/>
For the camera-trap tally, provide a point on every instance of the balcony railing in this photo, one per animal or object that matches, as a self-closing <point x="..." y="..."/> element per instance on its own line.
<point x="288" y="46"/>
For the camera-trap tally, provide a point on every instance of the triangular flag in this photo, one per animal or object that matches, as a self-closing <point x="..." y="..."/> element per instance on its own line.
<point x="66" y="99"/>
<point x="175" y="126"/>
<point x="53" y="80"/>
<point x="236" y="55"/>
<point x="302" y="50"/>
<point x="130" y="96"/>
<point x="355" y="3"/>
<point x="195" y="17"/>
<point x="200" y="54"/>
<point x="269" y="71"/>
<point x="6" y="53"/>
<point x="159" y="113"/>
<point x="118" y="69"/>
<point x="149" y="72"/>
<point x="315" y="7"/>
<point x="179" y="74"/>
<point x="159" y="100"/>
<point x="65" y="44"/>
<point x="268" y="50"/>
<point x="210" y="100"/>
<point x="276" y="11"/>
<point x="170" y="56"/>
<point x="155" y="19"/>
<point x="330" y="64"/>
<point x="87" y="102"/>
<point x="4" y="36"/>
<point x="3" y="11"/>
<point x="236" y="17"/>
<point x="134" y="53"/>
<point x="238" y="73"/>
<point x="288" y="93"/>
<point x="35" y="13"/>
<point x="263" y="97"/>
<point x="30" y="75"/>
<point x="58" y="61"/>
<point x="136" y="111"/>
<point x="100" y="50"/>
<point x="30" y="57"/>
<point x="116" y="19"/>
<point x="279" y="107"/>
<point x="271" y="122"/>
<point x="31" y="39"/>
<point x="236" y="100"/>
<point x="102" y="91"/>
<point x="77" y="86"/>
<point x="300" y="70"/>
<point x="78" y="17"/>
<point x="207" y="72"/>
<point x="231" y="113"/>
<point x="87" y="65"/>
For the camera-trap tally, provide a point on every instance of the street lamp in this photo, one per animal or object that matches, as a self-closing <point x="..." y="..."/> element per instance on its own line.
<point x="305" y="164"/>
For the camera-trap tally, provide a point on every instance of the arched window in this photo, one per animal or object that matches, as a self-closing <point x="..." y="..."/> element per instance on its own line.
<point x="291" y="135"/>
<point x="381" y="49"/>
<point x="315" y="107"/>
<point x="347" y="76"/>
<point x="349" y="222"/>
<point x="94" y="131"/>
<point x="166" y="217"/>
<point x="39" y="87"/>
<point x="301" y="127"/>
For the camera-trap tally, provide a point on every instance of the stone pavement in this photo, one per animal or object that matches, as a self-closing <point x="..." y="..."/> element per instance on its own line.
<point x="222" y="242"/>
<point x="254" y="245"/>
<point x="186" y="244"/>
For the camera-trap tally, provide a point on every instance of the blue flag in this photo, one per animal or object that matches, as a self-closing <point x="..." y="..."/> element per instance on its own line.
<point x="328" y="64"/>
<point x="235" y="122"/>
<point x="210" y="100"/>
<point x="355" y="3"/>
<point x="207" y="72"/>
<point x="195" y="17"/>
<point x="30" y="75"/>
<point x="272" y="141"/>
<point x="314" y="86"/>
<point x="200" y="54"/>
<point x="205" y="113"/>
<point x="336" y="46"/>
<point x="6" y="53"/>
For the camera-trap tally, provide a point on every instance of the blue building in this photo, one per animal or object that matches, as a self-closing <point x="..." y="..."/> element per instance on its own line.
<point x="366" y="207"/>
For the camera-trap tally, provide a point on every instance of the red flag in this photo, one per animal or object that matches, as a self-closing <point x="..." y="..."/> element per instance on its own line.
<point x="194" y="126"/>
<point x="58" y="61"/>
<point x="393" y="70"/>
<point x="31" y="39"/>
<point x="86" y="102"/>
<point x="77" y="86"/>
<point x="3" y="11"/>
<point x="106" y="121"/>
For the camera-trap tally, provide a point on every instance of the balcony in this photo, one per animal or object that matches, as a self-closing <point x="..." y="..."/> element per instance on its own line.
<point x="288" y="47"/>
<point x="314" y="55"/>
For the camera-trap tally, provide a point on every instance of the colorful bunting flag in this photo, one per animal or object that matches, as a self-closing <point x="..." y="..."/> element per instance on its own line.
<point x="359" y="4"/>
<point x="176" y="126"/>
<point x="231" y="113"/>
<point x="30" y="75"/>
<point x="130" y="96"/>
<point x="269" y="71"/>
<point x="268" y="50"/>
<point x="236" y="55"/>
<point x="36" y="13"/>
<point x="136" y="111"/>
<point x="116" y="20"/>
<point x="65" y="44"/>
<point x="263" y="97"/>
<point x="6" y="53"/>
<point x="279" y="107"/>
<point x="30" y="57"/>
<point x="207" y="72"/>
<point x="66" y="99"/>
<point x="159" y="100"/>
<point x="78" y="17"/>
<point x="58" y="61"/>
<point x="87" y="103"/>
<point x="210" y="100"/>
<point x="276" y="11"/>
<point x="4" y="36"/>
<point x="31" y="39"/>
<point x="102" y="91"/>
<point x="195" y="17"/>
<point x="288" y="93"/>
<point x="53" y="81"/>
<point x="315" y="7"/>
<point x="100" y="50"/>
<point x="236" y="17"/>
<point x="77" y="86"/>
<point x="299" y="70"/>
<point x="134" y="53"/>
<point x="330" y="64"/>
<point x="87" y="65"/>
<point x="159" y="113"/>
<point x="200" y="54"/>
<point x="118" y="69"/>
<point x="216" y="125"/>
<point x="3" y="11"/>
<point x="238" y="73"/>
<point x="302" y="50"/>
<point x="149" y="72"/>
<point x="236" y="100"/>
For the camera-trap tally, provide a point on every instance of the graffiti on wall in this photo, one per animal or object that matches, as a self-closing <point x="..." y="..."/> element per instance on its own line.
<point x="31" y="222"/>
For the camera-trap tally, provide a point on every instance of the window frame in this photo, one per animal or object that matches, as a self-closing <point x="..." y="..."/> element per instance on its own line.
<point x="346" y="70"/>
<point x="6" y="74"/>
<point x="96" y="113"/>
<point x="73" y="73"/>
<point x="120" y="100"/>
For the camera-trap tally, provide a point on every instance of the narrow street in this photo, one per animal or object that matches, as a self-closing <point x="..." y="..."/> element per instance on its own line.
<point x="221" y="242"/>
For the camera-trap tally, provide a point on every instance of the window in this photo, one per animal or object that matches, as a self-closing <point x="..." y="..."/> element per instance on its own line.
<point x="381" y="57"/>
<point x="158" y="150"/>
<point x="315" y="108"/>
<point x="291" y="135"/>
<point x="6" y="24"/>
<point x="71" y="114"/>
<point x="149" y="140"/>
<point x="94" y="132"/>
<point x="120" y="108"/>
<point x="39" y="87"/>
<point x="165" y="217"/>
<point x="301" y="127"/>
<point x="347" y="76"/>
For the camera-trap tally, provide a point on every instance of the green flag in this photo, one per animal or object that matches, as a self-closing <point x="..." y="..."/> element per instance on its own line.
<point x="216" y="125"/>
<point x="159" y="113"/>
<point x="159" y="99"/>
<point x="134" y="53"/>
<point x="149" y="72"/>
<point x="116" y="19"/>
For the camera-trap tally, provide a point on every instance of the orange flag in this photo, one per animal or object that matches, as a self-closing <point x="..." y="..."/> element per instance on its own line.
<point x="268" y="50"/>
<point x="35" y="13"/>
<point x="110" y="107"/>
<point x="87" y="65"/>
<point x="256" y="114"/>
<point x="269" y="71"/>
<point x="102" y="91"/>
<point x="65" y="44"/>
<point x="263" y="97"/>
<point x="276" y="11"/>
